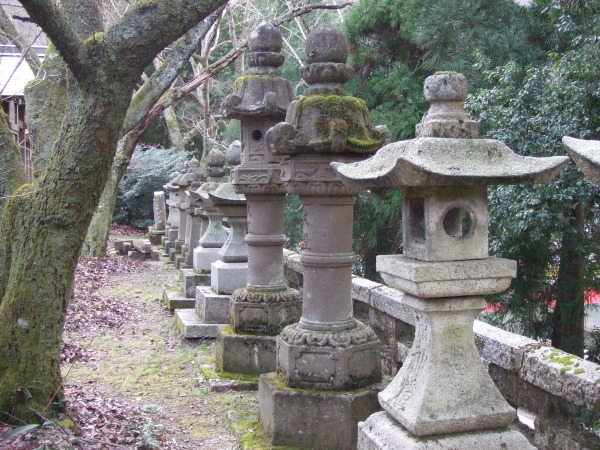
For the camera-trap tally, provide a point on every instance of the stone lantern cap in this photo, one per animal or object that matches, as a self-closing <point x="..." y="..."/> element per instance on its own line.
<point x="324" y="120"/>
<point x="262" y="92"/>
<point x="192" y="174"/>
<point x="447" y="151"/>
<point x="215" y="160"/>
<point x="447" y="162"/>
<point x="170" y="186"/>
<point x="586" y="155"/>
<point x="225" y="195"/>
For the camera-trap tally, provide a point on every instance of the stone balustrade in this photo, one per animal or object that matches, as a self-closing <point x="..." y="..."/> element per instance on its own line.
<point x="558" y="388"/>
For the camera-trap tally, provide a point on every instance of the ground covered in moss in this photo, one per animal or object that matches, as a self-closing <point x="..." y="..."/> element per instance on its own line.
<point x="131" y="381"/>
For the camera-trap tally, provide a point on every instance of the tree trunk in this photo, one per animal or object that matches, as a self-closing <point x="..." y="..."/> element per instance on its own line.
<point x="173" y="128"/>
<point x="44" y="231"/>
<point x="97" y="234"/>
<point x="569" y="312"/>
<point x="46" y="98"/>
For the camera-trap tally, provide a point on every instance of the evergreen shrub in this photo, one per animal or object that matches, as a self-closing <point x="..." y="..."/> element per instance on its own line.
<point x="150" y="168"/>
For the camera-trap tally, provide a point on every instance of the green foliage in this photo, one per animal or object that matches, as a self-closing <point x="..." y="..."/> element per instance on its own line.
<point x="593" y="345"/>
<point x="292" y="222"/>
<point x="530" y="108"/>
<point x="395" y="44"/>
<point x="377" y="227"/>
<point x="150" y="168"/>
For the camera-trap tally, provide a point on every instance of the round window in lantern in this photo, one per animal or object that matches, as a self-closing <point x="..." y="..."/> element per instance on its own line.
<point x="458" y="222"/>
<point x="256" y="135"/>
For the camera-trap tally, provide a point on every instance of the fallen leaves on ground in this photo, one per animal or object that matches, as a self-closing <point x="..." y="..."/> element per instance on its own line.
<point x="96" y="421"/>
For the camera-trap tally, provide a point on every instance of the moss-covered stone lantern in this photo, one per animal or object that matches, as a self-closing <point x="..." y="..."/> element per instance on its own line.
<point x="328" y="349"/>
<point x="443" y="396"/>
<point x="260" y="310"/>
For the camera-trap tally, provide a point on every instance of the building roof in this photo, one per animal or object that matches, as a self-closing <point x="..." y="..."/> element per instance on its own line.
<point x="14" y="72"/>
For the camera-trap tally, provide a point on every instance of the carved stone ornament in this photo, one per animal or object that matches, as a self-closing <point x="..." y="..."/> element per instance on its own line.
<point x="324" y="120"/>
<point x="276" y="295"/>
<point x="262" y="92"/>
<point x="360" y="334"/>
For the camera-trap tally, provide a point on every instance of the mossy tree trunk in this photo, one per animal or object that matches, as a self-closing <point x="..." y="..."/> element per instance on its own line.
<point x="44" y="231"/>
<point x="97" y="234"/>
<point x="569" y="312"/>
<point x="12" y="177"/>
<point x="135" y="124"/>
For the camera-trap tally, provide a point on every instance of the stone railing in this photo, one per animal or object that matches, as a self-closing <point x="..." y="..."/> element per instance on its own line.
<point x="558" y="390"/>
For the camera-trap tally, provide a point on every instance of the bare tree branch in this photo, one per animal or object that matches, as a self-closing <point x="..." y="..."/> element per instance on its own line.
<point x="19" y="41"/>
<point x="133" y="37"/>
<point x="163" y="77"/>
<point x="55" y="24"/>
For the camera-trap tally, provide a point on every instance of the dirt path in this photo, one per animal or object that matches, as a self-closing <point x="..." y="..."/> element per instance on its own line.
<point x="146" y="364"/>
<point x="131" y="381"/>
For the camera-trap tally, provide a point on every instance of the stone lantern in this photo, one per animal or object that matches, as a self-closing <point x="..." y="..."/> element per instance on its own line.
<point x="215" y="235"/>
<point x="443" y="395"/>
<point x="210" y="309"/>
<point x="191" y="174"/>
<point x="260" y="310"/>
<point x="328" y="349"/>
<point x="172" y="228"/>
<point x="194" y="222"/>
<point x="586" y="155"/>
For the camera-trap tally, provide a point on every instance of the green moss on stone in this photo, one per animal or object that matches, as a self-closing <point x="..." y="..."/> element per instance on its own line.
<point x="579" y="371"/>
<point x="336" y="109"/>
<point x="244" y="80"/>
<point x="566" y="360"/>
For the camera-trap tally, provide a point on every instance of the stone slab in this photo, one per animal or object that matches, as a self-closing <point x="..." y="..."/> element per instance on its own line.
<point x="176" y="300"/>
<point x="121" y="244"/>
<point x="190" y="326"/>
<point x="227" y="277"/>
<point x="180" y="261"/>
<point x="142" y="246"/>
<point x="138" y="256"/>
<point x="447" y="279"/>
<point x="382" y="432"/>
<point x="319" y="420"/>
<point x="559" y="373"/>
<point x="245" y="353"/>
<point x="211" y="307"/>
<point x="189" y="280"/>
<point x="231" y="385"/>
<point x="382" y="298"/>
<point x="204" y="257"/>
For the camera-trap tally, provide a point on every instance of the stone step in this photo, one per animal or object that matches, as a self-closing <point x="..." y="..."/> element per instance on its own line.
<point x="142" y="246"/>
<point x="189" y="279"/>
<point x="211" y="307"/>
<point x="176" y="300"/>
<point x="191" y="327"/>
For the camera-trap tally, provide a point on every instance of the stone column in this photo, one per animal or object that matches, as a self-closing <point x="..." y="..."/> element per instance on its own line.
<point x="157" y="231"/>
<point x="172" y="228"/>
<point x="443" y="397"/>
<point x="192" y="174"/>
<point x="215" y="235"/>
<point x="230" y="271"/>
<point x="328" y="349"/>
<point x="260" y="310"/>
